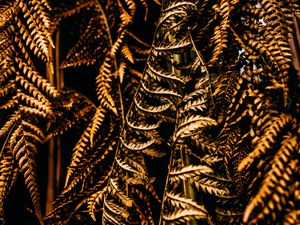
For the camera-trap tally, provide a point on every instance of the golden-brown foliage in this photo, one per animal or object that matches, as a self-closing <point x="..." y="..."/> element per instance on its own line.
<point x="218" y="100"/>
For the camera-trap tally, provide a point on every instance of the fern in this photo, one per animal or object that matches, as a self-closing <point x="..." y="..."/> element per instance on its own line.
<point x="108" y="44"/>
<point x="9" y="171"/>
<point x="217" y="101"/>
<point x="26" y="33"/>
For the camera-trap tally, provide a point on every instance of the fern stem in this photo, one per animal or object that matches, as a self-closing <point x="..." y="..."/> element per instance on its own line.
<point x="199" y="55"/>
<point x="59" y="86"/>
<point x="55" y="161"/>
<point x="51" y="145"/>
<point x="121" y="104"/>
<point x="50" y="174"/>
<point x="58" y="71"/>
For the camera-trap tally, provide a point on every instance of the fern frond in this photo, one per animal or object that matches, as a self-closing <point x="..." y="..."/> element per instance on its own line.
<point x="32" y="102"/>
<point x="126" y="17"/>
<point x="184" y="43"/>
<point x="32" y="111"/>
<point x="263" y="144"/>
<point x="184" y="203"/>
<point x="292" y="217"/>
<point x="25" y="45"/>
<point x="138" y="146"/>
<point x="274" y="178"/>
<point x="108" y="218"/>
<point x="140" y="104"/>
<point x="189" y="125"/>
<point x="8" y="88"/>
<point x="96" y="123"/>
<point x="127" y="53"/>
<point x="103" y="81"/>
<point x="34" y="91"/>
<point x="230" y="215"/>
<point x="71" y="109"/>
<point x="37" y="18"/>
<point x="94" y="200"/>
<point x="81" y="146"/>
<point x="23" y="143"/>
<point x="9" y="105"/>
<point x="37" y="79"/>
<point x="210" y="186"/>
<point x="154" y="153"/>
<point x="190" y="171"/>
<point x="9" y="124"/>
<point x="142" y="127"/>
<point x="95" y="36"/>
<point x="161" y="74"/>
<point x="121" y="71"/>
<point x="115" y="189"/>
<point x="182" y="216"/>
<point x="159" y="90"/>
<point x="115" y="209"/>
<point x="277" y="199"/>
<point x="126" y="166"/>
<point x="8" y="175"/>
<point x="220" y="38"/>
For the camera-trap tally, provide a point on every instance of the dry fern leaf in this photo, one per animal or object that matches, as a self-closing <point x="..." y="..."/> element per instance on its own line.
<point x="71" y="109"/>
<point x="211" y="186"/>
<point x="25" y="34"/>
<point x="191" y="124"/>
<point x="94" y="200"/>
<point x="277" y="200"/>
<point x="189" y="172"/>
<point x="97" y="121"/>
<point x="141" y="105"/>
<point x="115" y="210"/>
<point x="138" y="146"/>
<point x="292" y="217"/>
<point x="141" y="125"/>
<point x="23" y="143"/>
<point x="9" y="124"/>
<point x="279" y="174"/>
<point x="263" y="144"/>
<point x="36" y="33"/>
<point x="127" y="167"/>
<point x="115" y="189"/>
<point x="81" y="146"/>
<point x="127" y="53"/>
<point x="229" y="215"/>
<point x="184" y="203"/>
<point x="8" y="175"/>
<point x="159" y="90"/>
<point x="294" y="39"/>
<point x="139" y="139"/>
<point x="103" y="81"/>
<point x="86" y="50"/>
<point x="221" y="33"/>
<point x="182" y="216"/>
<point x="159" y="74"/>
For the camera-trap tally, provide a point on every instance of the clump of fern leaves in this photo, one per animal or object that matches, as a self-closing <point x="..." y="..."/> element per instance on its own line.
<point x="244" y="129"/>
<point x="249" y="63"/>
<point x="31" y="107"/>
<point x="108" y="42"/>
<point x="25" y="95"/>
<point x="218" y="99"/>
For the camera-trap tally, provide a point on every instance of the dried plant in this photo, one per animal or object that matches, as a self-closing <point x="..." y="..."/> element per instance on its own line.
<point x="218" y="102"/>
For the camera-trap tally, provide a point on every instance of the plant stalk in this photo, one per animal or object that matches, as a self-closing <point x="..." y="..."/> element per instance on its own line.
<point x="55" y="161"/>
